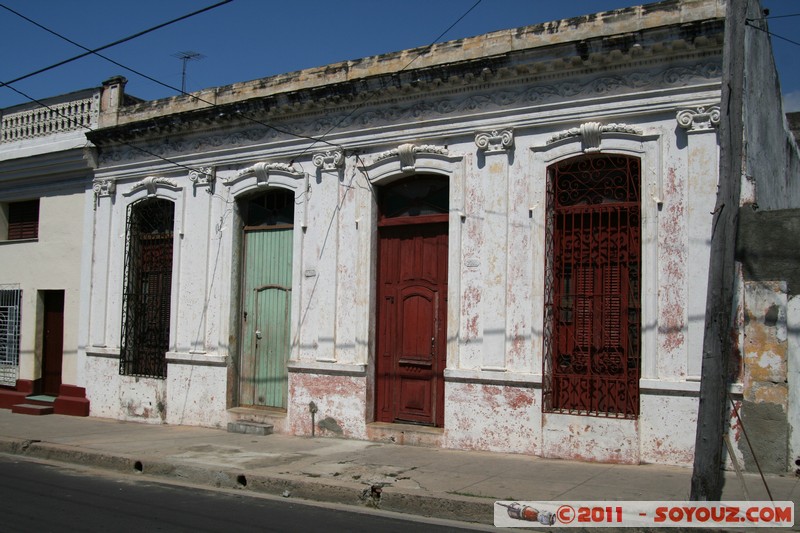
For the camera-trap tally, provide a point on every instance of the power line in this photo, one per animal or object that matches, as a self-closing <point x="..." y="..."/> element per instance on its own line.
<point x="773" y="17"/>
<point x="316" y="140"/>
<point x="94" y="51"/>
<point x="348" y="115"/>
<point x="75" y="122"/>
<point x="747" y="23"/>
<point x="783" y="16"/>
<point x="147" y="77"/>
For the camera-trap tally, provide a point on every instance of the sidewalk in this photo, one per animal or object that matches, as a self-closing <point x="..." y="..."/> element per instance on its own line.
<point x="450" y="484"/>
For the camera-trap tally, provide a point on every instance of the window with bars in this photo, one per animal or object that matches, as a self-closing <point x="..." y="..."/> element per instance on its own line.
<point x="10" y="298"/>
<point x="22" y="220"/>
<point x="147" y="288"/>
<point x="592" y="287"/>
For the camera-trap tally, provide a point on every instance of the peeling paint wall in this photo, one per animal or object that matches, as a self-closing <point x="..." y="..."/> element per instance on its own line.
<point x="605" y="440"/>
<point x="764" y="408"/>
<point x="767" y="249"/>
<point x="124" y="397"/>
<point x="196" y="394"/>
<point x="499" y="418"/>
<point x="339" y="400"/>
<point x="667" y="428"/>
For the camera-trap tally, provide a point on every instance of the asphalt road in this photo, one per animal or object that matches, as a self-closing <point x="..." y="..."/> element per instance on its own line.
<point x="56" y="498"/>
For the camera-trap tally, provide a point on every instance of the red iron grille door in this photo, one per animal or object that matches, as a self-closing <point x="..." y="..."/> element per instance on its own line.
<point x="592" y="313"/>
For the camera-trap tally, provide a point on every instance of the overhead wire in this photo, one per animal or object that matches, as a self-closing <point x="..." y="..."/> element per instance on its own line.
<point x="316" y="140"/>
<point x="75" y="122"/>
<point x="772" y="17"/>
<point x="748" y="23"/>
<point x="134" y="71"/>
<point x="96" y="51"/>
<point x="422" y="51"/>
<point x="104" y="47"/>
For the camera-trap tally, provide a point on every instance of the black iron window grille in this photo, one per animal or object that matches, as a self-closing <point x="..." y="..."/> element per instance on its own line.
<point x="147" y="289"/>
<point x="592" y="287"/>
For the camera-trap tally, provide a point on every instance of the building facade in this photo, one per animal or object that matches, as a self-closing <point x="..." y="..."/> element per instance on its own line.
<point x="43" y="180"/>
<point x="501" y="246"/>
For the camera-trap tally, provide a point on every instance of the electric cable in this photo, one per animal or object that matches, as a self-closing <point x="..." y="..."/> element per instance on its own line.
<point x="316" y="140"/>
<point x="772" y="17"/>
<point x="75" y="122"/>
<point x="747" y="23"/>
<point x="141" y="74"/>
<point x="422" y="51"/>
<point x="115" y="43"/>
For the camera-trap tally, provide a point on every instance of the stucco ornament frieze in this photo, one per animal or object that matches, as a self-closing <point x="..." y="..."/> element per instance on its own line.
<point x="152" y="183"/>
<point x="699" y="118"/>
<point x="204" y="176"/>
<point x="104" y="188"/>
<point x="527" y="92"/>
<point x="591" y="134"/>
<point x="329" y="160"/>
<point x="495" y="140"/>
<point x="407" y="153"/>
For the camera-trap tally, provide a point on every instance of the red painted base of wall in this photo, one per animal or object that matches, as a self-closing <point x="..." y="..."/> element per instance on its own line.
<point x="10" y="397"/>
<point x="71" y="401"/>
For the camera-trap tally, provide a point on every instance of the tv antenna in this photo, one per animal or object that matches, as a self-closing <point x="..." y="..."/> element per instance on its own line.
<point x="185" y="57"/>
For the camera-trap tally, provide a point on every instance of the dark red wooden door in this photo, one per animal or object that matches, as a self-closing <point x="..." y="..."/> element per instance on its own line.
<point x="412" y="314"/>
<point x="52" y="342"/>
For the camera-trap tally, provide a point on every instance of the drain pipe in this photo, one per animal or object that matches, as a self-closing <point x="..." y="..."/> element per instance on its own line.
<point x="312" y="408"/>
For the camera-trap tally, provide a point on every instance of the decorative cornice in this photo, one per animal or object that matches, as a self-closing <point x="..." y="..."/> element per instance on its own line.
<point x="104" y="187"/>
<point x="203" y="176"/>
<point x="407" y="153"/>
<point x="523" y="91"/>
<point x="495" y="141"/>
<point x="152" y="184"/>
<point x="699" y="118"/>
<point x="591" y="133"/>
<point x="330" y="160"/>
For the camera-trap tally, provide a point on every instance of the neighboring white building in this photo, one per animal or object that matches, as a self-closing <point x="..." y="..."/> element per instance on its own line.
<point x="501" y="246"/>
<point x="43" y="211"/>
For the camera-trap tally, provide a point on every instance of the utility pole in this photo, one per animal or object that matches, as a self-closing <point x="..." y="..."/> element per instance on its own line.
<point x="185" y="57"/>
<point x="707" y="478"/>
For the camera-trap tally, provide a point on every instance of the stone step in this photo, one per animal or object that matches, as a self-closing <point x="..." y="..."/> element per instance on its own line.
<point x="31" y="409"/>
<point x="250" y="428"/>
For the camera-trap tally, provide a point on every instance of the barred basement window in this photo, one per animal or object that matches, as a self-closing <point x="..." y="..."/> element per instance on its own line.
<point x="147" y="289"/>
<point x="592" y="287"/>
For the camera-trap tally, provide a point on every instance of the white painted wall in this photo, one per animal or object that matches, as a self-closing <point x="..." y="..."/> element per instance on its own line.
<point x="52" y="262"/>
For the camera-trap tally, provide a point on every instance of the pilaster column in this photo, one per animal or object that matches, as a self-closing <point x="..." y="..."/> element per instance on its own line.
<point x="701" y="125"/>
<point x="494" y="179"/>
<point x="320" y="269"/>
<point x="104" y="191"/>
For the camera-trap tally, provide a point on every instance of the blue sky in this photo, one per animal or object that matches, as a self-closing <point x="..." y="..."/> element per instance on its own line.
<point x="250" y="39"/>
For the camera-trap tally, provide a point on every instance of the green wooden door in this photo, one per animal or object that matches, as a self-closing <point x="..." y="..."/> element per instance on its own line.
<point x="267" y="303"/>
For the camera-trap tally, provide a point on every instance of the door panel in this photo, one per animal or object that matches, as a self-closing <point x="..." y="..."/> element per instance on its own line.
<point x="411" y="343"/>
<point x="416" y="362"/>
<point x="52" y="342"/>
<point x="266" y="302"/>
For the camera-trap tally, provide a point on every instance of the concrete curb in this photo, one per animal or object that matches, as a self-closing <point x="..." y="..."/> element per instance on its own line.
<point x="387" y="498"/>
